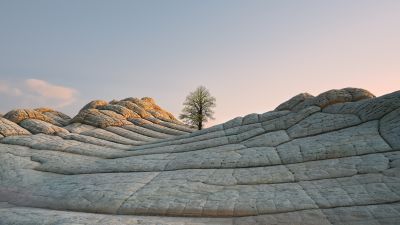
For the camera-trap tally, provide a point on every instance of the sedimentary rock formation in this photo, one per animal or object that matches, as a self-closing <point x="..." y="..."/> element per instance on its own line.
<point x="330" y="159"/>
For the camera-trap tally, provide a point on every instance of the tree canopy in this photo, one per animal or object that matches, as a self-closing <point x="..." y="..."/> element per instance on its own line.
<point x="198" y="106"/>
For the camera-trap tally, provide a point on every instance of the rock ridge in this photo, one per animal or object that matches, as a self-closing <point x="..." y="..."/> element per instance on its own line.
<point x="329" y="159"/>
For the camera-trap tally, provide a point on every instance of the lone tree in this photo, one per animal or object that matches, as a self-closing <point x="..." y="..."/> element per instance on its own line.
<point x="198" y="107"/>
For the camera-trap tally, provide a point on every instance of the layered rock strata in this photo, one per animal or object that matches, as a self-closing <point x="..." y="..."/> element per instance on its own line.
<point x="329" y="159"/>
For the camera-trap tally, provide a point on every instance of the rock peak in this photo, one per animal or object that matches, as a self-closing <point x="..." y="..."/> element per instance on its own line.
<point x="325" y="99"/>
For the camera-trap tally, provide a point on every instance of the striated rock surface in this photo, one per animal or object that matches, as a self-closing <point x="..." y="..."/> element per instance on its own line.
<point x="58" y="117"/>
<point x="329" y="159"/>
<point x="43" y="114"/>
<point x="9" y="128"/>
<point x="129" y="111"/>
<point x="325" y="99"/>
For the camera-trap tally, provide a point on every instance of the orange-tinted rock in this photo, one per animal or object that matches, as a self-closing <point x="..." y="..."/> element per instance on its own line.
<point x="289" y="104"/>
<point x="9" y="128"/>
<point x="325" y="99"/>
<point x="19" y="115"/>
<point x="100" y="118"/>
<point x="123" y="111"/>
<point x="57" y="116"/>
<point x="94" y="104"/>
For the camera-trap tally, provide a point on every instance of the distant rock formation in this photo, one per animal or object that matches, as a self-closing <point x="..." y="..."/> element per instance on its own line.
<point x="325" y="99"/>
<point x="329" y="159"/>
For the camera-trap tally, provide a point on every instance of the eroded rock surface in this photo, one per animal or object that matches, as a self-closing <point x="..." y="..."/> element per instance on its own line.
<point x="9" y="128"/>
<point x="325" y="99"/>
<point x="101" y="114"/>
<point x="330" y="159"/>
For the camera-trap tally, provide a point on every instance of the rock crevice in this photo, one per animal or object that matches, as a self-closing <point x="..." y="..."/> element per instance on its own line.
<point x="329" y="159"/>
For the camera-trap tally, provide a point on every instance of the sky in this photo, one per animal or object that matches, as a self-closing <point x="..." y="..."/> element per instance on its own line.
<point x="251" y="55"/>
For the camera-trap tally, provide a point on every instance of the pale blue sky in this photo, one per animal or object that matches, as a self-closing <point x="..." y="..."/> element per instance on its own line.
<point x="252" y="55"/>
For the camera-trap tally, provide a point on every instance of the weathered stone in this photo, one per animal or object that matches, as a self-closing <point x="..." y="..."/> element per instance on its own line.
<point x="359" y="94"/>
<point x="272" y="115"/>
<point x="55" y="143"/>
<point x="233" y="123"/>
<point x="291" y="103"/>
<point x="109" y="136"/>
<point x="334" y="96"/>
<point x="146" y="132"/>
<point x="94" y="104"/>
<point x="390" y="128"/>
<point x="322" y="122"/>
<point x="9" y="128"/>
<point x="362" y="139"/>
<point x="172" y="125"/>
<point x="129" y="134"/>
<point x="19" y="115"/>
<point x="125" y="112"/>
<point x="330" y="159"/>
<point x="147" y="108"/>
<point x="96" y="141"/>
<point x="100" y="118"/>
<point x="135" y="108"/>
<point x="325" y="99"/>
<point x="78" y="127"/>
<point x="57" y="116"/>
<point x="288" y="120"/>
<point x="251" y="118"/>
<point x="270" y="139"/>
<point x="156" y="127"/>
<point x="368" y="109"/>
<point x="38" y="126"/>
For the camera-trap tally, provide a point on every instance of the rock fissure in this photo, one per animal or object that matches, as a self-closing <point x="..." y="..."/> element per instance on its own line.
<point x="310" y="161"/>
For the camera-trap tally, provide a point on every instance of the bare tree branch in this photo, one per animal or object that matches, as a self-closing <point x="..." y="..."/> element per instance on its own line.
<point x="197" y="108"/>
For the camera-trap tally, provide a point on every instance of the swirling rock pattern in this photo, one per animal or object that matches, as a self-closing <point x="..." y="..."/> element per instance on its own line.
<point x="330" y="159"/>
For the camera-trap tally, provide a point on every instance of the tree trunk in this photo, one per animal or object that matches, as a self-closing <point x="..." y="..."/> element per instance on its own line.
<point x="200" y="124"/>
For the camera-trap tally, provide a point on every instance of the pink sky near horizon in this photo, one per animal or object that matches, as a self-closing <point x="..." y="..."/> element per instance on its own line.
<point x="271" y="102"/>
